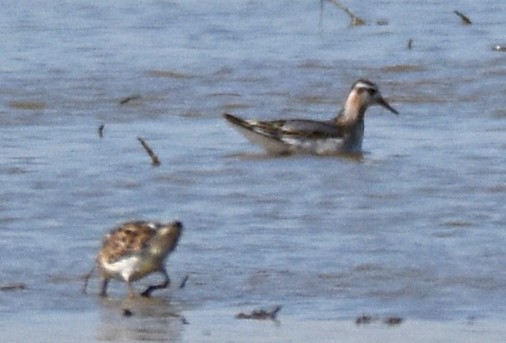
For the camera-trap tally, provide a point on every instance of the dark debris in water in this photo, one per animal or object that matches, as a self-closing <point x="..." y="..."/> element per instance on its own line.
<point x="154" y="158"/>
<point x="465" y="19"/>
<point x="128" y="99"/>
<point x="17" y="286"/>
<point x="365" y="319"/>
<point x="183" y="282"/>
<point x="458" y="223"/>
<point x="168" y="74"/>
<point x="402" y="68"/>
<point x="101" y="131"/>
<point x="27" y="105"/>
<point x="182" y="318"/>
<point x="260" y="314"/>
<point x="127" y="312"/>
<point x="355" y="21"/>
<point x="393" y="320"/>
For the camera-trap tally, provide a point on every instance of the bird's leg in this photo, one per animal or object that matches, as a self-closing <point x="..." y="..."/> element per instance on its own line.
<point x="87" y="278"/>
<point x="164" y="284"/>
<point x="103" y="289"/>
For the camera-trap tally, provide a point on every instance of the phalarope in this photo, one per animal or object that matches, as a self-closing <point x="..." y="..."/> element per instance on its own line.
<point x="343" y="134"/>
<point x="136" y="249"/>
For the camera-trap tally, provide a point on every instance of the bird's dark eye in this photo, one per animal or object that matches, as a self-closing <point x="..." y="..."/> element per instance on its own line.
<point x="371" y="91"/>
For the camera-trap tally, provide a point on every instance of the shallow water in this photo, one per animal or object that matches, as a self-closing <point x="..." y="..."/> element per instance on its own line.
<point x="415" y="228"/>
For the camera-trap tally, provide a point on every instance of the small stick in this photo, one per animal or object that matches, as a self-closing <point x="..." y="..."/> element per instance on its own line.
<point x="465" y="20"/>
<point x="101" y="131"/>
<point x="355" y="21"/>
<point x="13" y="287"/>
<point x="183" y="283"/>
<point x="320" y="23"/>
<point x="180" y="316"/>
<point x="260" y="314"/>
<point x="393" y="321"/>
<point x="154" y="159"/>
<point x="128" y="99"/>
<point x="364" y="319"/>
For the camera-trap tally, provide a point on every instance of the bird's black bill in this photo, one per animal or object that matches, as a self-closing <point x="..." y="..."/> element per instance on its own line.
<point x="385" y="104"/>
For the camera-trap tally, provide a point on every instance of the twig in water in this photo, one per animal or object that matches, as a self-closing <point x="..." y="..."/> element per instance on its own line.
<point x="101" y="131"/>
<point x="364" y="319"/>
<point x="260" y="314"/>
<point x="367" y="319"/>
<point x="13" y="287"/>
<point x="183" y="283"/>
<point x="180" y="316"/>
<point x="320" y="22"/>
<point x="393" y="321"/>
<point x="355" y="21"/>
<point x="465" y="20"/>
<point x="154" y="159"/>
<point x="128" y="99"/>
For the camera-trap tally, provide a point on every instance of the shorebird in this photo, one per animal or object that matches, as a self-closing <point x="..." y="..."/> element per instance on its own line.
<point x="134" y="250"/>
<point x="343" y="134"/>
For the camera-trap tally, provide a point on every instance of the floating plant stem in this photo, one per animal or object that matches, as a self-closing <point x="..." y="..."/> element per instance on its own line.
<point x="183" y="283"/>
<point x="260" y="314"/>
<point x="355" y="21"/>
<point x="13" y="287"/>
<point x="154" y="159"/>
<point x="465" y="19"/>
<point x="128" y="99"/>
<point x="320" y="23"/>
<point x="101" y="131"/>
<point x="365" y="319"/>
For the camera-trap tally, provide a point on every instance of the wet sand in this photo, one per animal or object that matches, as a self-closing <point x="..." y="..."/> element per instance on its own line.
<point x="221" y="326"/>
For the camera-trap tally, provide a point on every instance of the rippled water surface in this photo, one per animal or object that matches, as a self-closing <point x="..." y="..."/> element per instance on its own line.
<point x="415" y="228"/>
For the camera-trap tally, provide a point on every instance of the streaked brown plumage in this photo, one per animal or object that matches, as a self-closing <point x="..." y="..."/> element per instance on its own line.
<point x="136" y="249"/>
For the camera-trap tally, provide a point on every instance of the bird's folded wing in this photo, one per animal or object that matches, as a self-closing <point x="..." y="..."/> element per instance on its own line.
<point x="300" y="128"/>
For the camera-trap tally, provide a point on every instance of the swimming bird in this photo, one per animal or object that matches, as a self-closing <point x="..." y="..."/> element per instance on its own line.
<point x="136" y="249"/>
<point x="342" y="134"/>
